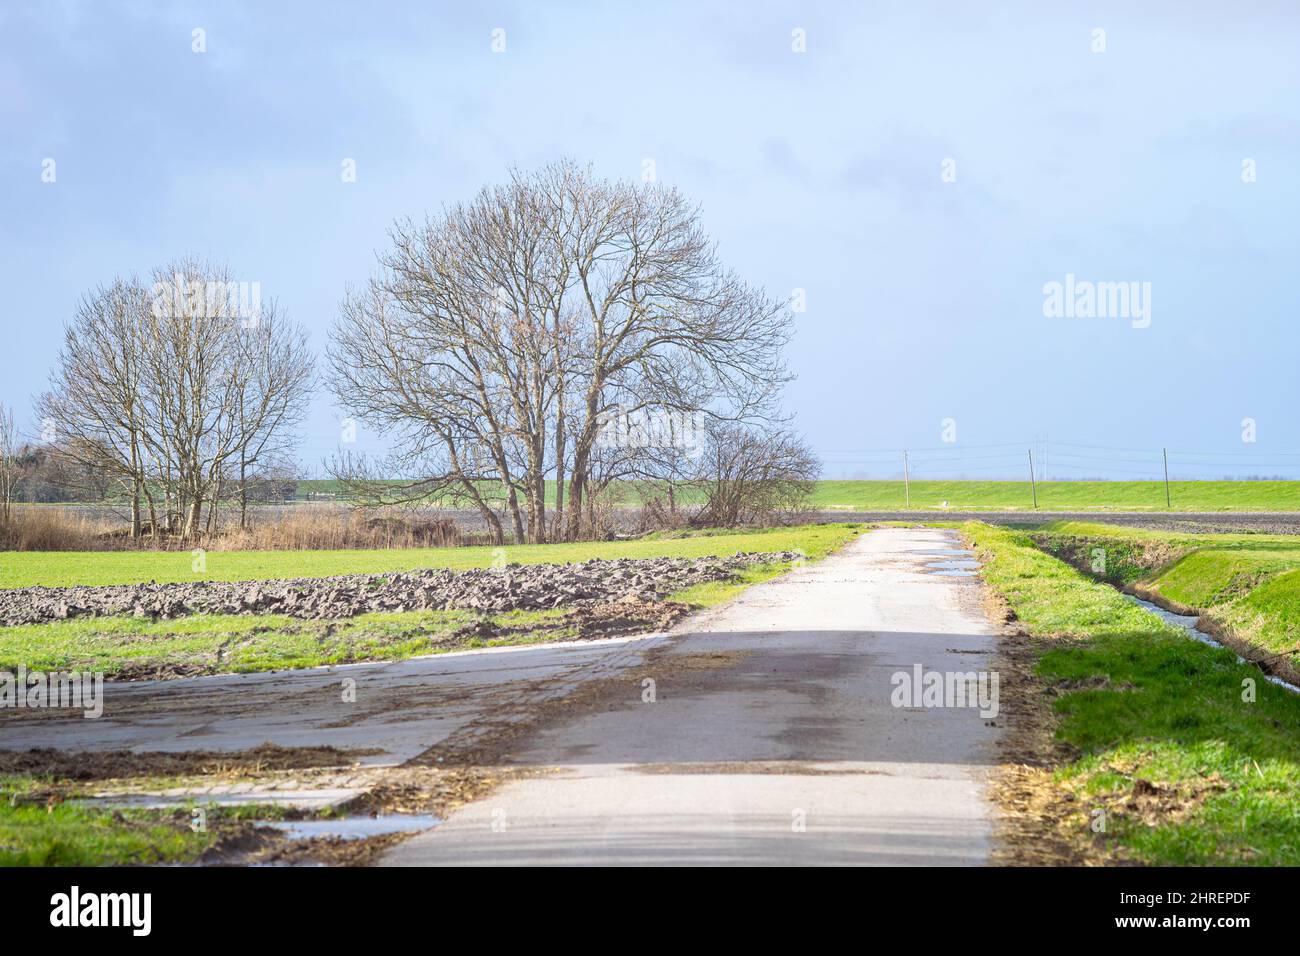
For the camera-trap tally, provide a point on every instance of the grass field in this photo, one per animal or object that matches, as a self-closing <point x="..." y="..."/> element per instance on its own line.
<point x="996" y="495"/>
<point x="67" y="568"/>
<point x="1247" y="584"/>
<point x="1186" y="770"/>
<point x="1062" y="495"/>
<point x="209" y="643"/>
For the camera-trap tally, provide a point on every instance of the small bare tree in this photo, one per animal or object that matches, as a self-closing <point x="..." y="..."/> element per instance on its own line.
<point x="754" y="476"/>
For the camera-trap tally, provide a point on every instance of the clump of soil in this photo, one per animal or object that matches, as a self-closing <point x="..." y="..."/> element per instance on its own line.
<point x="586" y="620"/>
<point x="422" y="789"/>
<point x="162" y="670"/>
<point x="243" y="844"/>
<point x="631" y="615"/>
<point x="328" y="851"/>
<point x="487" y="590"/>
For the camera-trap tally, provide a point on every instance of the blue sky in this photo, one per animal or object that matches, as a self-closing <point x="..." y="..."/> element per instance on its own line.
<point x="818" y="171"/>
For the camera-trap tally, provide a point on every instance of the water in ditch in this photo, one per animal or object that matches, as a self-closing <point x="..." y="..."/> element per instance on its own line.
<point x="1189" y="622"/>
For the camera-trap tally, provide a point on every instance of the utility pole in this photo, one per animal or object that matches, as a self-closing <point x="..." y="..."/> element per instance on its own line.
<point x="907" y="489"/>
<point x="1033" y="487"/>
<point x="1168" y="504"/>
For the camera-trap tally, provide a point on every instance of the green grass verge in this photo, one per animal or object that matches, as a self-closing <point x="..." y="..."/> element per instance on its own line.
<point x="212" y="643"/>
<point x="66" y="568"/>
<point x="1188" y="771"/>
<point x="67" y="834"/>
<point x="123" y="646"/>
<point x="1247" y="584"/>
<point x="34" y="832"/>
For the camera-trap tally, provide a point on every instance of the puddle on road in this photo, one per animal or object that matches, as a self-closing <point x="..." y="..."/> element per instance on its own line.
<point x="957" y="564"/>
<point x="952" y="562"/>
<point x="1188" y="623"/>
<point x="964" y="566"/>
<point x="354" y="828"/>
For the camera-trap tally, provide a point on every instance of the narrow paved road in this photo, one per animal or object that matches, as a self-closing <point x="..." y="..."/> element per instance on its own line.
<point x="771" y="737"/>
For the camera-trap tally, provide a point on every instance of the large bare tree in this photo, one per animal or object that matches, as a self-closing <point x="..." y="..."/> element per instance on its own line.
<point x="496" y="339"/>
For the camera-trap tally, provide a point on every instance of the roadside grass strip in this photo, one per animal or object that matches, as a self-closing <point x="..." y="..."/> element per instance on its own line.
<point x="1246" y="585"/>
<point x="41" y="824"/>
<point x="1178" y="754"/>
<point x="69" y="835"/>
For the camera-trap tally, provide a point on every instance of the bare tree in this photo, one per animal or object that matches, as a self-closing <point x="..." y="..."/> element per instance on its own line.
<point x="275" y="375"/>
<point x="95" y="401"/>
<point x="754" y="476"/>
<point x="175" y="391"/>
<point x="494" y="341"/>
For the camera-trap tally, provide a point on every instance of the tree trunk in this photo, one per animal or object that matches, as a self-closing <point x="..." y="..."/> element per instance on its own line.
<point x="243" y="494"/>
<point x="557" y="520"/>
<point x="135" y="509"/>
<point x="516" y="518"/>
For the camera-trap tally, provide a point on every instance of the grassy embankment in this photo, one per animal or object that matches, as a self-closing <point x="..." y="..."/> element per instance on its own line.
<point x="1159" y="730"/>
<point x="1015" y="495"/>
<point x="1062" y="495"/>
<point x="237" y="643"/>
<point x="1247" y="586"/>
